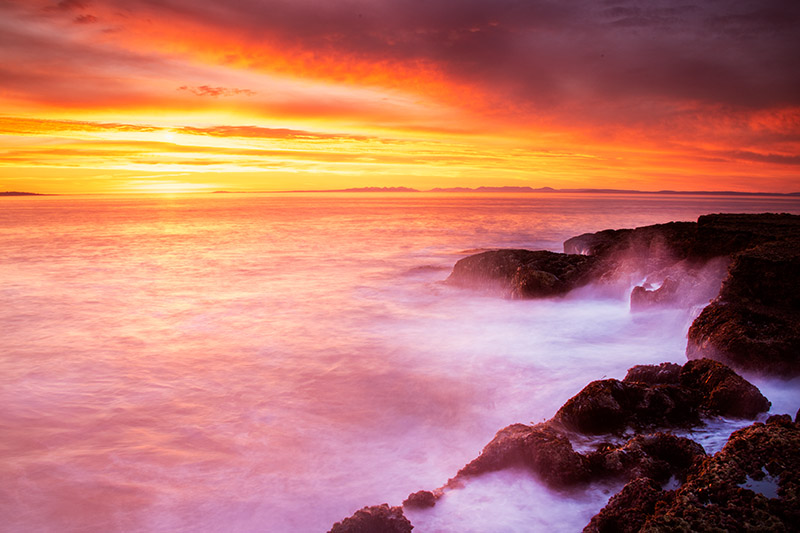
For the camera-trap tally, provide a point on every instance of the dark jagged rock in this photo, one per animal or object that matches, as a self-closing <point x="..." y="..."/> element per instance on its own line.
<point x="643" y="298"/>
<point x="728" y="233"/>
<point x="754" y="323"/>
<point x="657" y="456"/>
<point x="545" y="450"/>
<point x="420" y="500"/>
<point x="627" y="511"/>
<point x="649" y="397"/>
<point x="718" y="390"/>
<point x="766" y="275"/>
<point x="650" y="247"/>
<point x="747" y="338"/>
<point x="751" y="485"/>
<point x="540" y="448"/>
<point x="522" y="273"/>
<point x="612" y="406"/>
<point x="665" y="373"/>
<point x="375" y="519"/>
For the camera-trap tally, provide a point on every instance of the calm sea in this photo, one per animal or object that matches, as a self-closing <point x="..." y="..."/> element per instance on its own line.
<point x="244" y="363"/>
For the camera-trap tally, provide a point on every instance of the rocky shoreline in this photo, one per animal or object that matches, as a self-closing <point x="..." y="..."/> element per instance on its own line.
<point x="749" y="265"/>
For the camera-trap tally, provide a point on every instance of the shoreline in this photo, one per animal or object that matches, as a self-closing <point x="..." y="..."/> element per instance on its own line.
<point x="762" y="270"/>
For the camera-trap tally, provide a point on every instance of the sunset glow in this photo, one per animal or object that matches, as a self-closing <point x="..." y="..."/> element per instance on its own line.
<point x="99" y="96"/>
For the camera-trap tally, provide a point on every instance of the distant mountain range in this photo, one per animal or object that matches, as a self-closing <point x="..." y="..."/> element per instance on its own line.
<point x="606" y="191"/>
<point x="491" y="190"/>
<point x="546" y="190"/>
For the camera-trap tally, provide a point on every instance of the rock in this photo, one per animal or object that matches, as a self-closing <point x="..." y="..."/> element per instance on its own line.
<point x="522" y="273"/>
<point x="375" y="519"/>
<point x="766" y="275"/>
<point x="643" y="298"/>
<point x="627" y="511"/>
<point x="718" y="390"/>
<point x="611" y="406"/>
<point x="649" y="397"/>
<point x="647" y="247"/>
<point x="751" y="485"/>
<point x="754" y="323"/>
<point x="540" y="448"/>
<point x="729" y="233"/>
<point x="420" y="500"/>
<point x="658" y="456"/>
<point x="746" y="338"/>
<point x="665" y="373"/>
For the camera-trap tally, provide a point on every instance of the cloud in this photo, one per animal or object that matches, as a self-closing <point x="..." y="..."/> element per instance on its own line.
<point x="540" y="53"/>
<point x="33" y="126"/>
<point x="205" y="90"/>
<point x="85" y="19"/>
<point x="266" y="133"/>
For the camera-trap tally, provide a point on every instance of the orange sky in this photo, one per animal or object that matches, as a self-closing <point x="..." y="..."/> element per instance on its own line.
<point x="139" y="96"/>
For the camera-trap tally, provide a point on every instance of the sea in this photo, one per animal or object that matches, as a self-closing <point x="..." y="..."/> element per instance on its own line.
<point x="275" y="362"/>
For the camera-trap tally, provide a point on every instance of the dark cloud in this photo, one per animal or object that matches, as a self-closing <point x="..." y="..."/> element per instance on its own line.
<point x="762" y="158"/>
<point x="85" y="19"/>
<point x="740" y="53"/>
<point x="618" y="61"/>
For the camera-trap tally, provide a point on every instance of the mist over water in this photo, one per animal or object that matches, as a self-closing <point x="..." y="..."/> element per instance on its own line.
<point x="276" y="362"/>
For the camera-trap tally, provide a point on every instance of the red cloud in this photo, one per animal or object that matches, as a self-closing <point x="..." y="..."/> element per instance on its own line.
<point x="205" y="90"/>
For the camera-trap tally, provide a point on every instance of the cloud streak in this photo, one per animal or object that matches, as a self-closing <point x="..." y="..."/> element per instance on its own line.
<point x="710" y="85"/>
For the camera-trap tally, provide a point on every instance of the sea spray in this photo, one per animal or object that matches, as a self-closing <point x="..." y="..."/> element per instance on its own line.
<point x="264" y="362"/>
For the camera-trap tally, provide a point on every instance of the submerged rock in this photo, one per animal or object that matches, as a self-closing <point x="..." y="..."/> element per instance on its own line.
<point x="375" y="519"/>
<point x="716" y="495"/>
<point x="420" y="500"/>
<point x="523" y="273"/>
<point x="545" y="450"/>
<point x="643" y="298"/>
<point x="612" y="406"/>
<point x="718" y="390"/>
<point x="751" y="485"/>
<point x="540" y="448"/>
<point x="661" y="396"/>
<point x="658" y="456"/>
<point x="663" y="374"/>
<point x="627" y="510"/>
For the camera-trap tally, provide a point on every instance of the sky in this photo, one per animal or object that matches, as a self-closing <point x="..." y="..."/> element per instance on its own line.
<point x="102" y="96"/>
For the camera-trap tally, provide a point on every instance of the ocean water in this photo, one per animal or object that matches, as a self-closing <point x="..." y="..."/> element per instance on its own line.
<point x="274" y="362"/>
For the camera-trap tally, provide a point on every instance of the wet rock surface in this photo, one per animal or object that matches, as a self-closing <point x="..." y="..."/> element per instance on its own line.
<point x="644" y="298"/>
<point x="663" y="374"/>
<point x="540" y="448"/>
<point x="754" y="323"/>
<point x="523" y="273"/>
<point x="718" y="390"/>
<point x="627" y="510"/>
<point x="613" y="406"/>
<point x="420" y="500"/>
<point x="661" y="396"/>
<point x="716" y="496"/>
<point x="375" y="519"/>
<point x="658" y="456"/>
